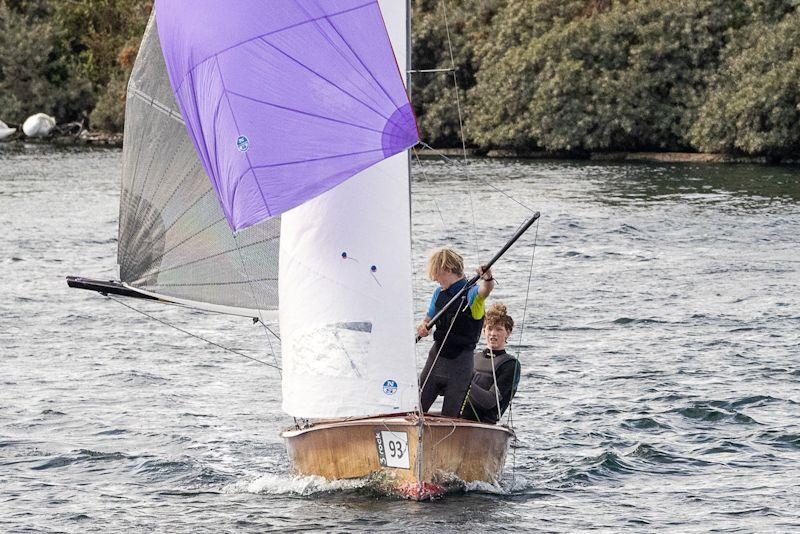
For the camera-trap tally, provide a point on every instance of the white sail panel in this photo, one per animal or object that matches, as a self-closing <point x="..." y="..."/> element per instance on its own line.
<point x="347" y="333"/>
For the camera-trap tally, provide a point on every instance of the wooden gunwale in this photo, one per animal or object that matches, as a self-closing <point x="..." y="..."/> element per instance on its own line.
<point x="410" y="419"/>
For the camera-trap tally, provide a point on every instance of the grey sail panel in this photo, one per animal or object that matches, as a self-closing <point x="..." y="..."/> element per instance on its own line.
<point x="174" y="240"/>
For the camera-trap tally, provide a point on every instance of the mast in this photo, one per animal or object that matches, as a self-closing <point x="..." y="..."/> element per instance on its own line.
<point x="346" y="307"/>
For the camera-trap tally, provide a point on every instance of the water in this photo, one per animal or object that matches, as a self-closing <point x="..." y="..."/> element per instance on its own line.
<point x="660" y="352"/>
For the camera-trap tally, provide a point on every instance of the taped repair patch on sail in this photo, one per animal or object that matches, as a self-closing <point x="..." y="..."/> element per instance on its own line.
<point x="284" y="99"/>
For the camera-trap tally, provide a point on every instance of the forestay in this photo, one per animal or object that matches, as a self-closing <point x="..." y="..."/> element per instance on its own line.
<point x="345" y="288"/>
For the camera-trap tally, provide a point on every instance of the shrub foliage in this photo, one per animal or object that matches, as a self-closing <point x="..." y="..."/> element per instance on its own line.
<point x="560" y="75"/>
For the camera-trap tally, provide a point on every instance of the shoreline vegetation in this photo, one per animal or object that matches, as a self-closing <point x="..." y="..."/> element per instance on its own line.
<point x="114" y="140"/>
<point x="605" y="80"/>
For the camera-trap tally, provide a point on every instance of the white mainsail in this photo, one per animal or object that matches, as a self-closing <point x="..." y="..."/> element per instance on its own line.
<point x="345" y="288"/>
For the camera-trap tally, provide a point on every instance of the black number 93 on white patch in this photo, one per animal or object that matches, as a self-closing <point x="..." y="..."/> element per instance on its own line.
<point x="392" y="448"/>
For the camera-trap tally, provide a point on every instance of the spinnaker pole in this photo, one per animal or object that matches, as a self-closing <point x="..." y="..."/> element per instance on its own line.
<point x="472" y="281"/>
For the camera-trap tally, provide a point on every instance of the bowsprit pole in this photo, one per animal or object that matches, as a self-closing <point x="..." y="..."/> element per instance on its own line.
<point x="472" y="281"/>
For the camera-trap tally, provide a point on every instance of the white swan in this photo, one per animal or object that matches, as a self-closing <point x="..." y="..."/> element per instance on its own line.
<point x="39" y="125"/>
<point x="5" y="131"/>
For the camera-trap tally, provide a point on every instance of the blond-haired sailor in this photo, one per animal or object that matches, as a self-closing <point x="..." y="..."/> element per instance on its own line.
<point x="448" y="369"/>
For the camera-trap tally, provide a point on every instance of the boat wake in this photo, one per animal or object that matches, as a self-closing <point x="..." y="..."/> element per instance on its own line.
<point x="272" y="484"/>
<point x="305" y="486"/>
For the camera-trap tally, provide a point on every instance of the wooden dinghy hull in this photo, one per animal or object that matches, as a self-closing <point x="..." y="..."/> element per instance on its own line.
<point x="402" y="454"/>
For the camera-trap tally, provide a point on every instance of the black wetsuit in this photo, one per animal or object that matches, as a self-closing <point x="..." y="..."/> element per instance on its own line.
<point x="452" y="371"/>
<point x="481" y="404"/>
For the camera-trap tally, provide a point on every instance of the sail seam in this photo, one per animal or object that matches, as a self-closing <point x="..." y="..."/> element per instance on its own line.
<point x="273" y="32"/>
<point x="124" y="217"/>
<point x="140" y="194"/>
<point x="155" y="104"/>
<point x="246" y="155"/>
<point x="181" y="243"/>
<point x="152" y="197"/>
<point x="308" y="113"/>
<point x="309" y="69"/>
<point x="299" y="162"/>
<point x="205" y="258"/>
<point x="385" y="92"/>
<point x="179" y="217"/>
<point x="339" y="50"/>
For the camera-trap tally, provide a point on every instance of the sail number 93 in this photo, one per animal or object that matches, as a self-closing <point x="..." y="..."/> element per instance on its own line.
<point x="396" y="449"/>
<point x="392" y="448"/>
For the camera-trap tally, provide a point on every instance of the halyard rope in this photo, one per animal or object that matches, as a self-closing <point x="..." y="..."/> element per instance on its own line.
<point x="510" y="419"/>
<point x="469" y="171"/>
<point x="427" y="179"/>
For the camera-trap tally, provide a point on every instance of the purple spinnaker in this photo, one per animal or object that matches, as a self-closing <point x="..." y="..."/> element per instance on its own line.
<point x="284" y="99"/>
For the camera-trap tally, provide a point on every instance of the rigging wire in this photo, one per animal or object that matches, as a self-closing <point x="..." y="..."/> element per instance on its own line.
<point x="470" y="177"/>
<point x="528" y="290"/>
<point x="525" y="308"/>
<point x="477" y="177"/>
<point x="457" y="91"/>
<point x="190" y="334"/>
<point x="427" y="179"/>
<point x="455" y="81"/>
<point x="510" y="418"/>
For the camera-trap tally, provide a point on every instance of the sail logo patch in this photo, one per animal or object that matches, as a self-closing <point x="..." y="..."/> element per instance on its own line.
<point x="242" y="143"/>
<point x="390" y="387"/>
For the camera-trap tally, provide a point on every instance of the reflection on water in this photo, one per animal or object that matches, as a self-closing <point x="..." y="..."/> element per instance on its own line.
<point x="659" y="347"/>
<point x="756" y="184"/>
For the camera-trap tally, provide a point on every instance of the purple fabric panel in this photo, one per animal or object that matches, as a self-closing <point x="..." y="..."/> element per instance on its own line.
<point x="191" y="31"/>
<point x="400" y="131"/>
<point x="284" y="99"/>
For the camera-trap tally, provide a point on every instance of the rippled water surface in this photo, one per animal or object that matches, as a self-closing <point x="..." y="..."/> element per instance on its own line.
<point x="661" y="361"/>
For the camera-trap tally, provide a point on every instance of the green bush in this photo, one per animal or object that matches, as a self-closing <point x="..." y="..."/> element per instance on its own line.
<point x="434" y="94"/>
<point x="574" y="75"/>
<point x="623" y="76"/>
<point x="36" y="73"/>
<point x="754" y="107"/>
<point x="104" y="35"/>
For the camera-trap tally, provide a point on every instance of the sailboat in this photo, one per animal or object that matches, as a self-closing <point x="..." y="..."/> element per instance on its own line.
<point x="266" y="174"/>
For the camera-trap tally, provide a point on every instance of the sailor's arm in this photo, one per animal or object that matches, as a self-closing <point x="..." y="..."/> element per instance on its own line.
<point x="422" y="329"/>
<point x="482" y="398"/>
<point x="486" y="398"/>
<point x="487" y="282"/>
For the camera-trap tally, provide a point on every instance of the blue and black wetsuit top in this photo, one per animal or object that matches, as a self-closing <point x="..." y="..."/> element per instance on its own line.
<point x="466" y="330"/>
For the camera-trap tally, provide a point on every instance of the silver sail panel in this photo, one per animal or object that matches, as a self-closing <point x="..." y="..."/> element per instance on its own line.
<point x="174" y="241"/>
